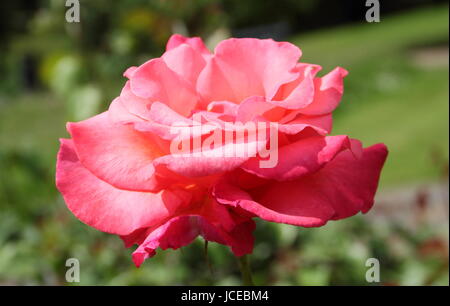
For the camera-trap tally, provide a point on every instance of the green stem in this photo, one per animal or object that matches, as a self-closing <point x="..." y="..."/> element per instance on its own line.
<point x="245" y="271"/>
<point x="208" y="262"/>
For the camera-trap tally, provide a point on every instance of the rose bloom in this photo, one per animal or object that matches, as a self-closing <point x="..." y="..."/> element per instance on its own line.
<point x="117" y="173"/>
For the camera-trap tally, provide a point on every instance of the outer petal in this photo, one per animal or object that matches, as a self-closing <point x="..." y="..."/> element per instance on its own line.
<point x="246" y="67"/>
<point x="341" y="189"/>
<point x="302" y="93"/>
<point x="304" y="70"/>
<point x="105" y="207"/>
<point x="116" y="153"/>
<point x="303" y="157"/>
<point x="195" y="42"/>
<point x="328" y="93"/>
<point x="212" y="221"/>
<point x="181" y="231"/>
<point x="129" y="72"/>
<point x="136" y="237"/>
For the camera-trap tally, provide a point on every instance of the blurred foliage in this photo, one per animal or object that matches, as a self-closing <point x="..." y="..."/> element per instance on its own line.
<point x="56" y="72"/>
<point x="393" y="69"/>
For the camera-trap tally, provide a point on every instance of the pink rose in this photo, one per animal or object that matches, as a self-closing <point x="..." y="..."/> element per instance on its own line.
<point x="119" y="172"/>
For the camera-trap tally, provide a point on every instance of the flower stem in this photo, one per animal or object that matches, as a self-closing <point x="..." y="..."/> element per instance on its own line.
<point x="245" y="271"/>
<point x="208" y="262"/>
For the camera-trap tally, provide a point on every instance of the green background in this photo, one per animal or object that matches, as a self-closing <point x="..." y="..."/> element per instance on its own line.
<point x="396" y="93"/>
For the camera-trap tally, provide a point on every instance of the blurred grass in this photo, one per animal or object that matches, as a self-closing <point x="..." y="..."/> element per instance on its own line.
<point x="389" y="97"/>
<point x="349" y="46"/>
<point x="32" y="123"/>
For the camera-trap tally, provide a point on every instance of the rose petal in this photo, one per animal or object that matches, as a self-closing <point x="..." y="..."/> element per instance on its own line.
<point x="154" y="81"/>
<point x="105" y="207"/>
<point x="118" y="113"/>
<point x="135" y="105"/>
<point x="342" y="188"/>
<point x="321" y="124"/>
<point x="302" y="92"/>
<point x="182" y="230"/>
<point x="116" y="153"/>
<point x="185" y="61"/>
<point x="210" y="161"/>
<point x="241" y="68"/>
<point x="214" y="153"/>
<point x="195" y="42"/>
<point x="129" y="72"/>
<point x="328" y="93"/>
<point x="300" y="158"/>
